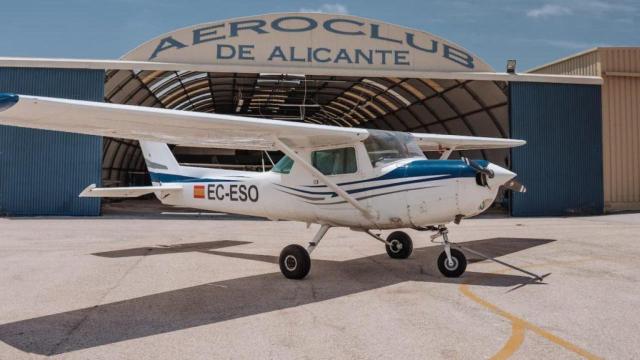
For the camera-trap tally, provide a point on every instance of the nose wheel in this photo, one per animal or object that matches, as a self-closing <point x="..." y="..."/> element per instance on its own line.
<point x="453" y="267"/>
<point x="451" y="262"/>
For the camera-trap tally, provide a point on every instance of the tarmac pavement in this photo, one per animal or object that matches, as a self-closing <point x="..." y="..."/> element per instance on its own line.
<point x="186" y="286"/>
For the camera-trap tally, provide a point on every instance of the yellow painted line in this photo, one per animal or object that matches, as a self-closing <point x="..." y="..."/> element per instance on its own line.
<point x="517" y="335"/>
<point x="513" y="344"/>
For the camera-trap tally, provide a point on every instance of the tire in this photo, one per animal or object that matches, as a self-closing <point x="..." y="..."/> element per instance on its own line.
<point x="402" y="245"/>
<point x="295" y="262"/>
<point x="459" y="260"/>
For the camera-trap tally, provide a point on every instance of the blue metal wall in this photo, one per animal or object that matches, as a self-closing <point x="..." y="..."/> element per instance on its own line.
<point x="42" y="172"/>
<point x="561" y="165"/>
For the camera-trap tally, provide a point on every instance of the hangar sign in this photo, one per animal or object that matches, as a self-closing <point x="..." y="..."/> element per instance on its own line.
<point x="301" y="40"/>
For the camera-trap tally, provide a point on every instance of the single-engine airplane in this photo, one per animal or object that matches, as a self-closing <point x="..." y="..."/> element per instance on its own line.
<point x="334" y="176"/>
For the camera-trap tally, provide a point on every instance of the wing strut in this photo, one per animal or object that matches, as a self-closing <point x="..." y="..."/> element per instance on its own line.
<point x="447" y="152"/>
<point x="333" y="186"/>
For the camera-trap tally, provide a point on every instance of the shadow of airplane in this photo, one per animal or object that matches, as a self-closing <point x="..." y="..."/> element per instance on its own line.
<point x="230" y="299"/>
<point x="171" y="249"/>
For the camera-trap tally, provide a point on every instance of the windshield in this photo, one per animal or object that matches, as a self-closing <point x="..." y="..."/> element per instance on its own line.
<point x="387" y="146"/>
<point x="283" y="166"/>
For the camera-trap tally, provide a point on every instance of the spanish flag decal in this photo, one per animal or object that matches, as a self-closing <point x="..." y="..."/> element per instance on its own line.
<point x="198" y="191"/>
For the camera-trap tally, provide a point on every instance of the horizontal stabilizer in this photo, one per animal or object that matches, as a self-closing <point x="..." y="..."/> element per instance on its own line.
<point x="135" y="191"/>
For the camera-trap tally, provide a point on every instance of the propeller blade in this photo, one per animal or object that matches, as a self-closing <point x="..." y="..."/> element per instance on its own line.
<point x="513" y="185"/>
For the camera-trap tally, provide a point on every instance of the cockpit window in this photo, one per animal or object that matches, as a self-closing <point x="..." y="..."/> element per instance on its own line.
<point x="388" y="146"/>
<point x="335" y="161"/>
<point x="283" y="166"/>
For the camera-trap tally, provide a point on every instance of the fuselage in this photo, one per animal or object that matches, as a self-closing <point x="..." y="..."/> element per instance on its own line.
<point x="405" y="193"/>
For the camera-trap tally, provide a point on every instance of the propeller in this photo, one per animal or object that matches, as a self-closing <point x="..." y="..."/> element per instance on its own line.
<point x="514" y="185"/>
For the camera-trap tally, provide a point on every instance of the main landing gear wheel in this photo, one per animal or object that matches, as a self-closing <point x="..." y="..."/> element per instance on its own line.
<point x="456" y="267"/>
<point x="295" y="262"/>
<point x="400" y="245"/>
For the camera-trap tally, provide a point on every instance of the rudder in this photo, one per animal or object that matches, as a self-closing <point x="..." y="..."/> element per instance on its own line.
<point x="159" y="159"/>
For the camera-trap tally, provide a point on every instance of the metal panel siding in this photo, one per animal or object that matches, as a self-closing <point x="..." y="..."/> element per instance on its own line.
<point x="42" y="172"/>
<point x="621" y="127"/>
<point x="620" y="70"/>
<point x="561" y="165"/>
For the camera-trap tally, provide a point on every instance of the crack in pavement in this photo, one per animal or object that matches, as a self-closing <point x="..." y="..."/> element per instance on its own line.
<point x="82" y="320"/>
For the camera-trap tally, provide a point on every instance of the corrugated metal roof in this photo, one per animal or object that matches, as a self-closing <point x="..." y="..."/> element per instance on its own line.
<point x="557" y="66"/>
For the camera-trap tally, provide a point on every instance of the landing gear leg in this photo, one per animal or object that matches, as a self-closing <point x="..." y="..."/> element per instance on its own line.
<point x="451" y="262"/>
<point x="295" y="261"/>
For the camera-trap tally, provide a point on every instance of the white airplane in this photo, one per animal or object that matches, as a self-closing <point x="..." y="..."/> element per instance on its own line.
<point x="333" y="176"/>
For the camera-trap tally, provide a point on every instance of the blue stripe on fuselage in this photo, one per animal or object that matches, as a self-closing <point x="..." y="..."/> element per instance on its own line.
<point x="376" y="187"/>
<point x="438" y="169"/>
<point x="455" y="168"/>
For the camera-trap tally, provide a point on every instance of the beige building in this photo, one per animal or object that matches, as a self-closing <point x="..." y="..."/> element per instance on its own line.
<point x="619" y="67"/>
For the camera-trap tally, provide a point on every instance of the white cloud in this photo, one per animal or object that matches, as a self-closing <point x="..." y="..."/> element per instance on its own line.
<point x="592" y="8"/>
<point x="328" y="8"/>
<point x="549" y="10"/>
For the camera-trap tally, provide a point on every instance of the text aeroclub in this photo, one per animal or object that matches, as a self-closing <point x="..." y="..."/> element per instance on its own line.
<point x="232" y="192"/>
<point x="296" y="24"/>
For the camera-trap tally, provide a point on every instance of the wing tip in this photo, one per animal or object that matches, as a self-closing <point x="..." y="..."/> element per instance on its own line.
<point x="87" y="191"/>
<point x="7" y="100"/>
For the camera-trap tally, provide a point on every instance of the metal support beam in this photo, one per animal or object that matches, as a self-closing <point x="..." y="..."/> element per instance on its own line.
<point x="445" y="155"/>
<point x="368" y="232"/>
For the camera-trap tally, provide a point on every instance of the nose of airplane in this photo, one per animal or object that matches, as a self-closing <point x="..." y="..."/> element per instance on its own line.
<point x="493" y="176"/>
<point x="500" y="175"/>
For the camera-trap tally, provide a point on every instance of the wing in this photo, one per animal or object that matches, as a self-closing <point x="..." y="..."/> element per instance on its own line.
<point x="437" y="142"/>
<point x="199" y="129"/>
<point x="167" y="126"/>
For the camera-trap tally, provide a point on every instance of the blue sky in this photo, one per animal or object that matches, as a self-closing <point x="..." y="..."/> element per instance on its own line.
<point x="534" y="32"/>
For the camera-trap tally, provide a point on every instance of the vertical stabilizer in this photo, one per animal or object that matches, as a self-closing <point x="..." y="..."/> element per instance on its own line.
<point x="160" y="160"/>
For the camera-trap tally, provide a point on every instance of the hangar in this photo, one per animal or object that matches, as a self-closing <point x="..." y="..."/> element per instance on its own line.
<point x="318" y="68"/>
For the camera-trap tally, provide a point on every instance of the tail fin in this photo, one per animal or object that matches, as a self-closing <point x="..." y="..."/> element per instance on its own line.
<point x="159" y="159"/>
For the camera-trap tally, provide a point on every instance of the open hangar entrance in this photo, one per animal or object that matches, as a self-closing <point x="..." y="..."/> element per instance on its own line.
<point x="464" y="107"/>
<point x="343" y="71"/>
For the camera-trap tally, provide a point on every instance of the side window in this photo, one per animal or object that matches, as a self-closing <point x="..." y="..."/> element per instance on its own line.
<point x="335" y="161"/>
<point x="283" y="166"/>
